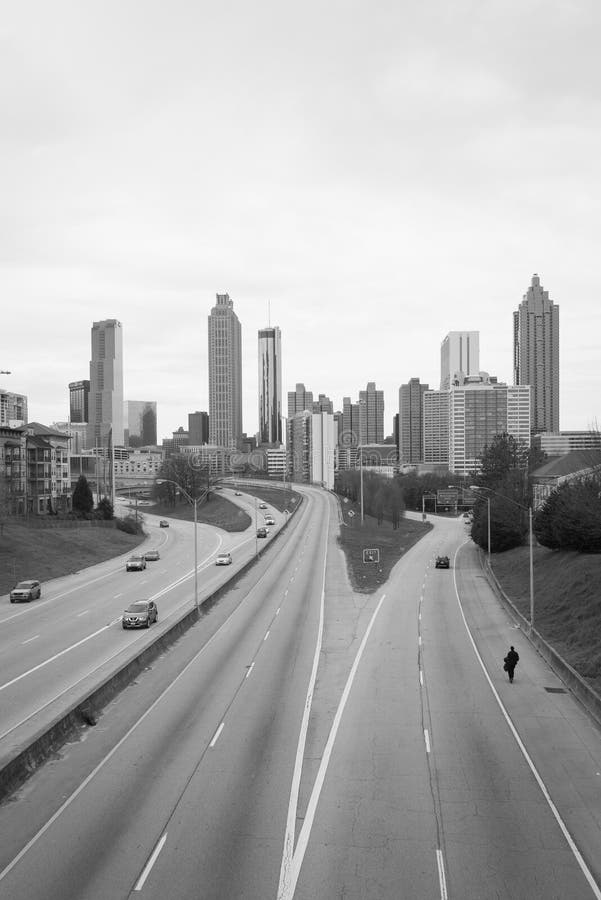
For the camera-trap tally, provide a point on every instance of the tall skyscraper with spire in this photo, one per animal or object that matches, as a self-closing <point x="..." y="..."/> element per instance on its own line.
<point x="536" y="355"/>
<point x="270" y="385"/>
<point x="225" y="375"/>
<point x="105" y="401"/>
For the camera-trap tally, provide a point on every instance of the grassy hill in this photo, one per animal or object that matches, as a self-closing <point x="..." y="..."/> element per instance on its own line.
<point x="567" y="602"/>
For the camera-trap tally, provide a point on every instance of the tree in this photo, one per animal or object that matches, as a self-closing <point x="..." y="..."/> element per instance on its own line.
<point x="570" y="519"/>
<point x="104" y="509"/>
<point x="83" y="501"/>
<point x="504" y="455"/>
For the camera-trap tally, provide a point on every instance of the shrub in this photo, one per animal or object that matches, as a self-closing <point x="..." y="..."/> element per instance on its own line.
<point x="130" y="525"/>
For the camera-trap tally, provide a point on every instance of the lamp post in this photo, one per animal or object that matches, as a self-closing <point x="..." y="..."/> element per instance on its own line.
<point x="528" y="509"/>
<point x="194" y="502"/>
<point x="361" y="471"/>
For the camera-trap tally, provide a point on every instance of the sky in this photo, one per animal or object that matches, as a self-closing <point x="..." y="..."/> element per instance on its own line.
<point x="367" y="176"/>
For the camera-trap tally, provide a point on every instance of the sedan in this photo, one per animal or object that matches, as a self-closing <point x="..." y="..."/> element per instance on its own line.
<point x="135" y="564"/>
<point x="269" y="520"/>
<point x="442" y="562"/>
<point x="152" y="555"/>
<point x="237" y="493"/>
<point x="262" y="532"/>
<point x="262" y="506"/>
<point x="163" y="523"/>
<point x="26" y="591"/>
<point x="223" y="559"/>
<point x="140" y="614"/>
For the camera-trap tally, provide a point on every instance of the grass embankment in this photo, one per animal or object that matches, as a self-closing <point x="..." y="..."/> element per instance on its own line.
<point x="44" y="553"/>
<point x="567" y="602"/>
<point x="216" y="511"/>
<point x="280" y="498"/>
<point x="391" y="543"/>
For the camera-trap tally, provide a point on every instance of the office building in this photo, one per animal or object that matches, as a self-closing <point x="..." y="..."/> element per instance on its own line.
<point x="79" y="393"/>
<point x="459" y="353"/>
<point x="311" y="448"/>
<point x="106" y="385"/>
<point x="436" y="427"/>
<point x="323" y="404"/>
<point x="198" y="428"/>
<point x="480" y="409"/>
<point x="299" y="400"/>
<point x="567" y="442"/>
<point x="536" y="355"/>
<point x="225" y="375"/>
<point x="270" y="386"/>
<point x="350" y="435"/>
<point x="140" y="418"/>
<point x="13" y="409"/>
<point x="411" y="421"/>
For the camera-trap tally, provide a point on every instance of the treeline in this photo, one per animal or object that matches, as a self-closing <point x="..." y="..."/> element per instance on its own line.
<point x="382" y="497"/>
<point x="571" y="517"/>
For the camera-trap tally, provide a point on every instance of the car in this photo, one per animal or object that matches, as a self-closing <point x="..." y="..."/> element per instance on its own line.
<point x="163" y="523"/>
<point x="25" y="591"/>
<point x="223" y="559"/>
<point x="443" y="562"/>
<point x="262" y="532"/>
<point x="140" y="614"/>
<point x="467" y="515"/>
<point x="237" y="493"/>
<point x="269" y="520"/>
<point x="262" y="506"/>
<point x="135" y="564"/>
<point x="152" y="555"/>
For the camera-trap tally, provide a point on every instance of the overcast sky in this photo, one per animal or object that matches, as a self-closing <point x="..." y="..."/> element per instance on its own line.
<point x="380" y="173"/>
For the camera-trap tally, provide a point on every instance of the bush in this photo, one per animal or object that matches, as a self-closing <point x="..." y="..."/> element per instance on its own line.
<point x="571" y="517"/>
<point x="104" y="509"/>
<point x="130" y="525"/>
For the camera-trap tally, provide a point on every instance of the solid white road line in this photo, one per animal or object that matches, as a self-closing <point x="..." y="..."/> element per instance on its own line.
<point x="570" y="840"/>
<point x="216" y="735"/>
<point x="277" y="612"/>
<point x="83" y="613"/>
<point x="305" y="833"/>
<point x="441" y="876"/>
<point x="421" y="677"/>
<point x="116" y="597"/>
<point x="147" y="868"/>
<point x="427" y="740"/>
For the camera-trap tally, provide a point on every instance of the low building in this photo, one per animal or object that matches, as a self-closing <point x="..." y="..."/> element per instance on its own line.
<point x="13" y="470"/>
<point x="566" y="441"/>
<point x="48" y="470"/>
<point x="561" y="469"/>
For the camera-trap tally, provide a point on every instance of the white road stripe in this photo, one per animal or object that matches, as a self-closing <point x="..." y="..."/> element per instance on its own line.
<point x="83" y="613"/>
<point x="305" y="833"/>
<point x="216" y="735"/>
<point x="441" y="876"/>
<point x="427" y="740"/>
<point x="421" y="677"/>
<point x="146" y="871"/>
<point x="419" y="640"/>
<point x="29" y="640"/>
<point x="116" y="597"/>
<point x="277" y="612"/>
<point x="250" y="668"/>
<point x="266" y="636"/>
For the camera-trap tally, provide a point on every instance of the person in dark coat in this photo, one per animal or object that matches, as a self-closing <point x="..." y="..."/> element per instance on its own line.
<point x="511" y="661"/>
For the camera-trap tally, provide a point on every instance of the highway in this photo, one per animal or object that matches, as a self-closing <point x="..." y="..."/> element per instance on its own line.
<point x="304" y="741"/>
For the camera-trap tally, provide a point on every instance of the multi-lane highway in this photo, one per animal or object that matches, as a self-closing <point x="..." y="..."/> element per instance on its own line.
<point x="305" y="741"/>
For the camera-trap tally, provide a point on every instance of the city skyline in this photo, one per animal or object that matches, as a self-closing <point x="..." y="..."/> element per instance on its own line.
<point x="338" y="209"/>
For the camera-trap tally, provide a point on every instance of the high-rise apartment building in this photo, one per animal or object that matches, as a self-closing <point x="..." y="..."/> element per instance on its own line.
<point x="299" y="400"/>
<point x="225" y="375"/>
<point x="79" y="393"/>
<point x="312" y="448"/>
<point x="13" y="409"/>
<point x="323" y="404"/>
<point x="436" y="426"/>
<point x="536" y="355"/>
<point x="270" y="386"/>
<point x="350" y="434"/>
<point x="106" y="385"/>
<point x="459" y="353"/>
<point x="198" y="428"/>
<point x="411" y="421"/>
<point x="371" y="415"/>
<point x="140" y="420"/>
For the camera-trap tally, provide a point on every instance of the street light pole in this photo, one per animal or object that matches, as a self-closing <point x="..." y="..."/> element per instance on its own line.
<point x="488" y="522"/>
<point x="361" y="471"/>
<point x="194" y="502"/>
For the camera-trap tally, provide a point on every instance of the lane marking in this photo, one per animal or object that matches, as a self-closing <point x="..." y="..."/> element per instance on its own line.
<point x="305" y="832"/>
<point x="570" y="840"/>
<point x="442" y="881"/>
<point x="427" y="740"/>
<point x="267" y="635"/>
<point x="216" y="735"/>
<point x="421" y="677"/>
<point x="83" y="613"/>
<point x="116" y="597"/>
<point x="277" y="612"/>
<point x="147" y="868"/>
<point x="419" y="640"/>
<point x="250" y="668"/>
<point x="29" y="640"/>
<point x="286" y="885"/>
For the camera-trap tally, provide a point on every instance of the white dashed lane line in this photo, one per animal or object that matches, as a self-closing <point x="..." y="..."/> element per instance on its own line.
<point x="29" y="640"/>
<point x="216" y="735"/>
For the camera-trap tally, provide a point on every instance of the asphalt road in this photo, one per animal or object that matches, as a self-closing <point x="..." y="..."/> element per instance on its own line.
<point x="303" y="741"/>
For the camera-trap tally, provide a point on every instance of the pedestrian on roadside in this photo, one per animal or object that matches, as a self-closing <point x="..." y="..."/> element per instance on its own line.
<point x="510" y="662"/>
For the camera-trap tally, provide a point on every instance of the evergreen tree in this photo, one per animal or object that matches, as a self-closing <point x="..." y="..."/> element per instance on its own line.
<point x="83" y="501"/>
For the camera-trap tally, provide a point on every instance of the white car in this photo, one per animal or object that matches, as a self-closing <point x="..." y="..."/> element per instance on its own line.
<point x="223" y="559"/>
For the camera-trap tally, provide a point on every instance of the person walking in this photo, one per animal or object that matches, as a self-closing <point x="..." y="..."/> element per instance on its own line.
<point x="510" y="662"/>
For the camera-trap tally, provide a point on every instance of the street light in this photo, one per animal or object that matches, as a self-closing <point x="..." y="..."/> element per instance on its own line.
<point x="528" y="509"/>
<point x="194" y="502"/>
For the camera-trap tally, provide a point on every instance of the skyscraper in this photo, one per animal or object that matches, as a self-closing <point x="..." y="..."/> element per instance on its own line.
<point x="411" y="421"/>
<point x="140" y="423"/>
<point x="371" y="415"/>
<point x="106" y="385"/>
<point x="459" y="352"/>
<point x="198" y="428"/>
<point x="225" y="375"/>
<point x="270" y="386"/>
<point x="299" y="400"/>
<point x="536" y="355"/>
<point x="79" y="393"/>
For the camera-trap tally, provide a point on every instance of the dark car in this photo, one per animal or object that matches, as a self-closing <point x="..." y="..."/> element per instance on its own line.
<point x="140" y="614"/>
<point x="163" y="523"/>
<point x="262" y="532"/>
<point x="135" y="564"/>
<point x="152" y="555"/>
<point x="262" y="506"/>
<point x="443" y="562"/>
<point x="26" y="591"/>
